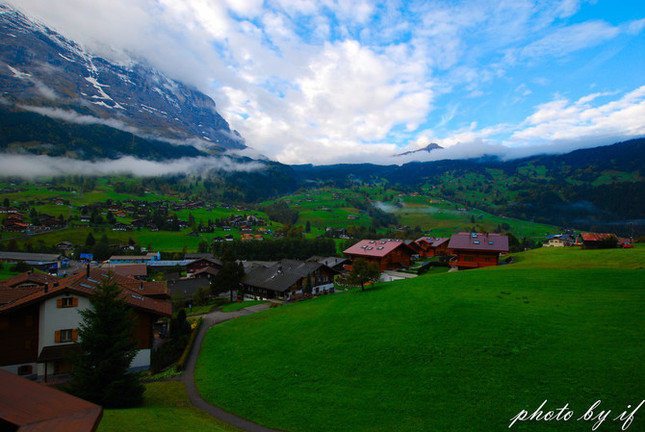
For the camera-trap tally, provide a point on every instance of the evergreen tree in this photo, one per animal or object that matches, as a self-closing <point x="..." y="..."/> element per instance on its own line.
<point x="228" y="278"/>
<point x="89" y="240"/>
<point x="107" y="348"/>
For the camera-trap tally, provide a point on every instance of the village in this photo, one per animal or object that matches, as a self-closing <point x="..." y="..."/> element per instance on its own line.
<point x="39" y="309"/>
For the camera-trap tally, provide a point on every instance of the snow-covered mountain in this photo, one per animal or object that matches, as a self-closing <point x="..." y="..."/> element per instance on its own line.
<point x="42" y="72"/>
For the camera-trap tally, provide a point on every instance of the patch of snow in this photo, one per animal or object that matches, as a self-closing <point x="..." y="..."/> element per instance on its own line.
<point x="66" y="58"/>
<point x="18" y="74"/>
<point x="102" y="95"/>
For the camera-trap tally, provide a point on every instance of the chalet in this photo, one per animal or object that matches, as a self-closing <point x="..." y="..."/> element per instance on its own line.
<point x="38" y="329"/>
<point x="286" y="279"/>
<point x="472" y="250"/>
<point x="201" y="263"/>
<point x="29" y="406"/>
<point x="388" y="254"/>
<point x="433" y="246"/>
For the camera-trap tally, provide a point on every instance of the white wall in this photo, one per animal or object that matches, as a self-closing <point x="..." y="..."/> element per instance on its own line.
<point x="53" y="318"/>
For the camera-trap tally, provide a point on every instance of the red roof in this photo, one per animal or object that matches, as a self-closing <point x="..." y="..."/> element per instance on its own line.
<point x="595" y="236"/>
<point x="479" y="242"/>
<point x="135" y="293"/>
<point x="34" y="407"/>
<point x="374" y="248"/>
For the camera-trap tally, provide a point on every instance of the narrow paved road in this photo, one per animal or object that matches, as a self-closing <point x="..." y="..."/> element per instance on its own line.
<point x="188" y="376"/>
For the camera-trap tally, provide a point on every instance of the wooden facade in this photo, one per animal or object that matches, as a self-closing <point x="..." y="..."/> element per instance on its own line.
<point x="474" y="250"/>
<point x="387" y="254"/>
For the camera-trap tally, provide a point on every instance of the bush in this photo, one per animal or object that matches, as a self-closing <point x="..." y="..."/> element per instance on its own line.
<point x="184" y="356"/>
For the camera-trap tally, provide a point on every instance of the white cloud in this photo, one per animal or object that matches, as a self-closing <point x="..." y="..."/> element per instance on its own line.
<point x="35" y="166"/>
<point x="328" y="81"/>
<point x="569" y="39"/>
<point x="564" y="120"/>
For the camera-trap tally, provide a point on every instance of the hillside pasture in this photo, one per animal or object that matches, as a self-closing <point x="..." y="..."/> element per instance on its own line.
<point x="443" y="352"/>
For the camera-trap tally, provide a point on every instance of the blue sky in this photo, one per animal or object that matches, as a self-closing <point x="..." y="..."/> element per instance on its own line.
<point x="333" y="81"/>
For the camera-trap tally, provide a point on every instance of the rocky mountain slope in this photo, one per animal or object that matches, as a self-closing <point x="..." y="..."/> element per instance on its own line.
<point x="44" y="73"/>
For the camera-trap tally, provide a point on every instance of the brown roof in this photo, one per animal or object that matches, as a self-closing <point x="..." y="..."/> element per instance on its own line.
<point x="32" y="407"/>
<point x="433" y="241"/>
<point x="28" y="278"/>
<point x="374" y="248"/>
<point x="596" y="236"/>
<point x="127" y="269"/>
<point x="135" y="293"/>
<point x="479" y="242"/>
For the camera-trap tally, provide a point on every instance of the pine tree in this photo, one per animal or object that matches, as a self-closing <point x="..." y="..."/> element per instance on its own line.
<point x="107" y="348"/>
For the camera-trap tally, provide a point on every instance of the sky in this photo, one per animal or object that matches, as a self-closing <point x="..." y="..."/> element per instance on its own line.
<point x="335" y="81"/>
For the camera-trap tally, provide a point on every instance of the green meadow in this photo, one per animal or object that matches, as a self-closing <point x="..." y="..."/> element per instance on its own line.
<point x="166" y="408"/>
<point x="461" y="351"/>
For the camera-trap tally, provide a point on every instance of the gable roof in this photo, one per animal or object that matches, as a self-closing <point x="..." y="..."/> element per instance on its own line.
<point x="29" y="406"/>
<point x="127" y="269"/>
<point x="479" y="242"/>
<point x="593" y="237"/>
<point x="282" y="275"/>
<point x="375" y="248"/>
<point x="135" y="293"/>
<point x="31" y="257"/>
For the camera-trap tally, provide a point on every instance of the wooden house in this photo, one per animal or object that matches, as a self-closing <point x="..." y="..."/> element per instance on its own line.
<point x="287" y="279"/>
<point x="473" y="250"/>
<point x="433" y="246"/>
<point x="38" y="329"/>
<point x="387" y="254"/>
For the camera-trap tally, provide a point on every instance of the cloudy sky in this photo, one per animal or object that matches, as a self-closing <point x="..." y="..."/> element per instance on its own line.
<point x="351" y="81"/>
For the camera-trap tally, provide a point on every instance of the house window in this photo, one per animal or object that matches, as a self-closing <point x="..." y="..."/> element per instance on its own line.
<point x="67" y="302"/>
<point x="469" y="258"/>
<point x="66" y="335"/>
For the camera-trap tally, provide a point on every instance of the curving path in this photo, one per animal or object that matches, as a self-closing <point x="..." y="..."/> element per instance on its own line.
<point x="188" y="378"/>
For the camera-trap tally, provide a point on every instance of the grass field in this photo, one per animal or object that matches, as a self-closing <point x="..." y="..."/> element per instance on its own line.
<point x="166" y="408"/>
<point x="461" y="351"/>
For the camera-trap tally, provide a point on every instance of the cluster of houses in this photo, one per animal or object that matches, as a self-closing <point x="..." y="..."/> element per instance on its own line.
<point x="587" y="240"/>
<point x="39" y="312"/>
<point x="155" y="216"/>
<point x="16" y="221"/>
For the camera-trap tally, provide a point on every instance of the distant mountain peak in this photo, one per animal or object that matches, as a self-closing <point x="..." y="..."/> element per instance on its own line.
<point x="426" y="149"/>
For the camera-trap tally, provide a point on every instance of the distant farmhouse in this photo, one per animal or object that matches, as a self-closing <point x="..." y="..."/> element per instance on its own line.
<point x="39" y="318"/>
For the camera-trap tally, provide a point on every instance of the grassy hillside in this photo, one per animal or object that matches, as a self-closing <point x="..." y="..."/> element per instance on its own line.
<point x="461" y="351"/>
<point x="166" y="408"/>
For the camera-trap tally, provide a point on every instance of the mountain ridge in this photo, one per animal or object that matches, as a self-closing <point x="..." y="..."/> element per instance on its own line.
<point x="43" y="72"/>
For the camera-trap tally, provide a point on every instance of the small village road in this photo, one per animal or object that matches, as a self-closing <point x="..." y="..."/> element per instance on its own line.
<point x="188" y="376"/>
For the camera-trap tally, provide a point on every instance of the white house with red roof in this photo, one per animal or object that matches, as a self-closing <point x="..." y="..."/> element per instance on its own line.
<point x="39" y="326"/>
